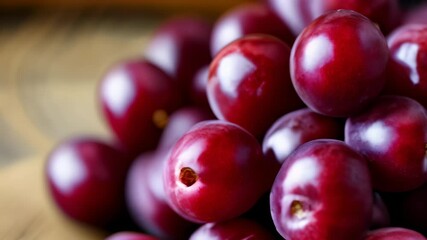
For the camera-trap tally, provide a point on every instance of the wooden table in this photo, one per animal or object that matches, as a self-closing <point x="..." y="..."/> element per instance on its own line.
<point x="50" y="64"/>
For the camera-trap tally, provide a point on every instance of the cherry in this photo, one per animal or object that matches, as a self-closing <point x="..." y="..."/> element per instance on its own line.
<point x="86" y="179"/>
<point x="249" y="83"/>
<point x="408" y="49"/>
<point x="392" y="134"/>
<point x="180" y="122"/>
<point x="180" y="47"/>
<point x="416" y="15"/>
<point x="296" y="128"/>
<point x="216" y="172"/>
<point x="130" y="236"/>
<point x="323" y="191"/>
<point x="394" y="233"/>
<point x="247" y="19"/>
<point x="136" y="99"/>
<point x="234" y="229"/>
<point x="338" y="73"/>
<point x="298" y="14"/>
<point x="147" y="201"/>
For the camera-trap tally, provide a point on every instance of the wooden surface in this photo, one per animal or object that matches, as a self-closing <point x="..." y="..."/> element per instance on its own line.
<point x="50" y="65"/>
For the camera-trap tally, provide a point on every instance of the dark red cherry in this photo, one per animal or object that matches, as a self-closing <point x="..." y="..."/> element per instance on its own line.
<point x="216" y="172"/>
<point x="136" y="99"/>
<point x="296" y="128"/>
<point x="394" y="233"/>
<point x="297" y="14"/>
<point x="130" y="236"/>
<point x="249" y="83"/>
<point x="147" y="202"/>
<point x="180" y="122"/>
<point x="392" y="134"/>
<point x="323" y="191"/>
<point x="180" y="47"/>
<point x="86" y="178"/>
<point x="408" y="49"/>
<point x="233" y="229"/>
<point x="337" y="73"/>
<point x="247" y="19"/>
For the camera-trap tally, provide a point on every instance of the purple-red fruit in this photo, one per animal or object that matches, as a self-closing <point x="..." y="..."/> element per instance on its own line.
<point x="393" y="233"/>
<point x="323" y="191"/>
<point x="248" y="19"/>
<point x="249" y="83"/>
<point x="146" y="199"/>
<point x="86" y="180"/>
<point x="296" y="128"/>
<point x="338" y="63"/>
<point x="130" y="236"/>
<point x="392" y="134"/>
<point x="136" y="99"/>
<point x="216" y="172"/>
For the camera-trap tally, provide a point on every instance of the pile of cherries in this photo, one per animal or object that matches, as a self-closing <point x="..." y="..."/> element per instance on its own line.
<point x="284" y="119"/>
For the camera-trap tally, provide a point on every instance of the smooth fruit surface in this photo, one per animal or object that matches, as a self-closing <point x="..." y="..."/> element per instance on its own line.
<point x="394" y="233"/>
<point x="136" y="98"/>
<point x="249" y="83"/>
<point x="86" y="179"/>
<point x="130" y="236"/>
<point x="216" y="172"/>
<point x="337" y="73"/>
<point x="392" y="134"/>
<point x="323" y="191"/>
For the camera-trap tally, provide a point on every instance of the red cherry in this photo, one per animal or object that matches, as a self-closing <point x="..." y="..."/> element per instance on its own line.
<point x="338" y="73"/>
<point x="392" y="134"/>
<point x="136" y="99"/>
<point x="130" y="236"/>
<point x="86" y="180"/>
<point x="249" y="83"/>
<point x="323" y="191"/>
<point x="216" y="172"/>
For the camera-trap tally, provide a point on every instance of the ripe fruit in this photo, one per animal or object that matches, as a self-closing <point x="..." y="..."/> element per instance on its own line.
<point x="249" y="83"/>
<point x="338" y="73"/>
<point x="216" y="172"/>
<point x="234" y="229"/>
<point x="146" y="199"/>
<point x="323" y="191"/>
<point x="297" y="14"/>
<point x="408" y="49"/>
<point x="86" y="179"/>
<point x="136" y="98"/>
<point x="130" y="236"/>
<point x="296" y="128"/>
<point x="180" y="47"/>
<point x="392" y="134"/>
<point x="248" y="19"/>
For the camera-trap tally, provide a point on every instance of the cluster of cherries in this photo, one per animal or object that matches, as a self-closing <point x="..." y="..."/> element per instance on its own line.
<point x="284" y="119"/>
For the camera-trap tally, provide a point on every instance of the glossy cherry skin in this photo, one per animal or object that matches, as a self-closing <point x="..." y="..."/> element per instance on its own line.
<point x="392" y="134"/>
<point x="247" y="19"/>
<point x="298" y="14"/>
<point x="394" y="233"/>
<point x="180" y="122"/>
<point x="136" y="97"/>
<point x="296" y="128"/>
<point x="249" y="83"/>
<point x="234" y="229"/>
<point x="130" y="236"/>
<point x="216" y="172"/>
<point x="337" y="73"/>
<point x="146" y="199"/>
<point x="86" y="179"/>
<point x="323" y="191"/>
<point x="180" y="47"/>
<point x="408" y="49"/>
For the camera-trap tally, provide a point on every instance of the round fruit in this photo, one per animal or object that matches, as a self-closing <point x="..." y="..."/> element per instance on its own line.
<point x="394" y="233"/>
